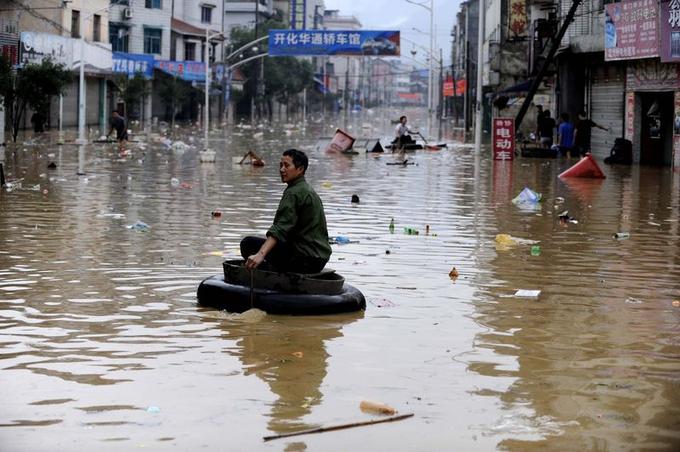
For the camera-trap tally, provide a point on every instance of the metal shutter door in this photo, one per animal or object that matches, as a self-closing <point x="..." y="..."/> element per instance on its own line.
<point x="607" y="100"/>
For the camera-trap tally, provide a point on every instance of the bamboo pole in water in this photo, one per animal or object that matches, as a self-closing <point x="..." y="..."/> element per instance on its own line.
<point x="338" y="427"/>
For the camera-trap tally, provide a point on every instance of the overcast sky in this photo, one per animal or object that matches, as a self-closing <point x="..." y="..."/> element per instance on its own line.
<point x="403" y="16"/>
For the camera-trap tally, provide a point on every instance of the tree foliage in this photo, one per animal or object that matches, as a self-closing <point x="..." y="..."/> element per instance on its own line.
<point x="173" y="92"/>
<point x="31" y="86"/>
<point x="132" y="90"/>
<point x="284" y="77"/>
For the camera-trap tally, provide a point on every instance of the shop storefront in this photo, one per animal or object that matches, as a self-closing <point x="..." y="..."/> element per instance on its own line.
<point x="653" y="90"/>
<point x="653" y="112"/>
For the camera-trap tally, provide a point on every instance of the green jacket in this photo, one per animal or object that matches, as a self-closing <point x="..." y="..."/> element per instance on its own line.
<point x="300" y="221"/>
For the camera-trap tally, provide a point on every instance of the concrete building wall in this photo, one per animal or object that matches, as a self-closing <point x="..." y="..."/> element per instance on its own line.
<point x="142" y="18"/>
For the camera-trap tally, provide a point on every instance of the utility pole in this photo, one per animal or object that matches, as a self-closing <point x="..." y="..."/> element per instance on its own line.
<point x="554" y="45"/>
<point x="480" y="56"/>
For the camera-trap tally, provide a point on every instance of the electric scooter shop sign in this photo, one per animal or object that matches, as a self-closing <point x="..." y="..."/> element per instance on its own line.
<point x="334" y="42"/>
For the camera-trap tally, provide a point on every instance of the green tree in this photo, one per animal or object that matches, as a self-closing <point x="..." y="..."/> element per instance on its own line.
<point x="31" y="86"/>
<point x="173" y="92"/>
<point x="284" y="77"/>
<point x="132" y="90"/>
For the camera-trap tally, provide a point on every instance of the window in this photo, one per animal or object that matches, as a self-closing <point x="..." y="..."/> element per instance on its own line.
<point x="118" y="37"/>
<point x="75" y="24"/>
<point x="190" y="51"/>
<point x="153" y="4"/>
<point x="97" y="28"/>
<point x="152" y="40"/>
<point x="206" y="14"/>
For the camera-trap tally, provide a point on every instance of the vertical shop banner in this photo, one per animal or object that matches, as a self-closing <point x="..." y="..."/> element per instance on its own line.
<point x="676" y="133"/>
<point x="669" y="31"/>
<point x="518" y="18"/>
<point x="333" y="42"/>
<point x="630" y="115"/>
<point x="503" y="138"/>
<point x="631" y="30"/>
<point x="447" y="87"/>
<point x="9" y="47"/>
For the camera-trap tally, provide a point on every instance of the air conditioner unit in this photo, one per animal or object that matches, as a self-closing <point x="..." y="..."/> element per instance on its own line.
<point x="127" y="13"/>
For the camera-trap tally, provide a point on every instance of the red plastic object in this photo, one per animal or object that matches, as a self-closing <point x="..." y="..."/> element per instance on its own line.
<point x="586" y="167"/>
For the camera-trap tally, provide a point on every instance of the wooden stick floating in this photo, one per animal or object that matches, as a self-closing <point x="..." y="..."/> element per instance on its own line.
<point x="339" y="427"/>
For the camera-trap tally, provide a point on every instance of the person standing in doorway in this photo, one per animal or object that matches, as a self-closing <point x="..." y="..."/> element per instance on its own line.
<point x="119" y="124"/>
<point x="583" y="131"/>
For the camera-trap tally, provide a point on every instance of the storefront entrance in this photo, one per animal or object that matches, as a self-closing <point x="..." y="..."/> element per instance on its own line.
<point x="656" y="128"/>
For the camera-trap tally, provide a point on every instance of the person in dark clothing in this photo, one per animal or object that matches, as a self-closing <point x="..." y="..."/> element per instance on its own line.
<point x="38" y="120"/>
<point x="119" y="124"/>
<point x="582" y="133"/>
<point x="539" y="118"/>
<point x="297" y="241"/>
<point x="547" y="130"/>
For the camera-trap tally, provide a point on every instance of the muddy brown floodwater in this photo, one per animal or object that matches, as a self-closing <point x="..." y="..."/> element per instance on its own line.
<point x="103" y="347"/>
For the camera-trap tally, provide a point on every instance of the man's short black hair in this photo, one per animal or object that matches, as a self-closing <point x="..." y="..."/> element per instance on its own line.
<point x="401" y="117"/>
<point x="299" y="158"/>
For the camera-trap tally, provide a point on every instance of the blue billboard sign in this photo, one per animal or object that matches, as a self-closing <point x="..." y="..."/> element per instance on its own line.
<point x="333" y="42"/>
<point x="133" y="63"/>
<point x="191" y="71"/>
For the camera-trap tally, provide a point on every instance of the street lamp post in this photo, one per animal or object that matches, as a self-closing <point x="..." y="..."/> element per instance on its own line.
<point x="429" y="78"/>
<point x="206" y="105"/>
<point x="82" y="139"/>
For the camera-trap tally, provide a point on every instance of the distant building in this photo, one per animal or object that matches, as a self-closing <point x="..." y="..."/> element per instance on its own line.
<point x="347" y="70"/>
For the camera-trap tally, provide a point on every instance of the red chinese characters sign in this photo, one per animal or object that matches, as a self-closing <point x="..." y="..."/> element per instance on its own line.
<point x="631" y="30"/>
<point x="503" y="138"/>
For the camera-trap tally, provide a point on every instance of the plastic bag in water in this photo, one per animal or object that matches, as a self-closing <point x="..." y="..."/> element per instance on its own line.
<point x="139" y="226"/>
<point x="527" y="197"/>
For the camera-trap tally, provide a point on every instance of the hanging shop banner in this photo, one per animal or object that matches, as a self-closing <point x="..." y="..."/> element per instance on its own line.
<point x="191" y="71"/>
<point x="630" y="115"/>
<point x="631" y="30"/>
<point x="503" y="138"/>
<point x="449" y="90"/>
<point x="669" y="31"/>
<point x="518" y="18"/>
<point x="333" y="42"/>
<point x="35" y="47"/>
<point x="133" y="63"/>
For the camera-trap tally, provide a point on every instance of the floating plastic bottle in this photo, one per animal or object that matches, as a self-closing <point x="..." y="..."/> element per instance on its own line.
<point x="391" y="225"/>
<point x="621" y="235"/>
<point x="535" y="250"/>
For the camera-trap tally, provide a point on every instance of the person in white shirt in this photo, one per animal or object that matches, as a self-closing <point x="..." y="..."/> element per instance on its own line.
<point x="402" y="133"/>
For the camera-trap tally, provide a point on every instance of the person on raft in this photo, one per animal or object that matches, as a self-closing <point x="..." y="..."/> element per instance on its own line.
<point x="403" y="133"/>
<point x="297" y="241"/>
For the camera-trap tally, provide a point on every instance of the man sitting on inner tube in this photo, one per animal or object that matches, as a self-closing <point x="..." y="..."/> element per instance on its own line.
<point x="298" y="240"/>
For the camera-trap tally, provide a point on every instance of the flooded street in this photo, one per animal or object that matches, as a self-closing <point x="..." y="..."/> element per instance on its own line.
<point x="103" y="346"/>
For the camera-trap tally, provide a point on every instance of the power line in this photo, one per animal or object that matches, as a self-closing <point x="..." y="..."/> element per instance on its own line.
<point x="37" y="15"/>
